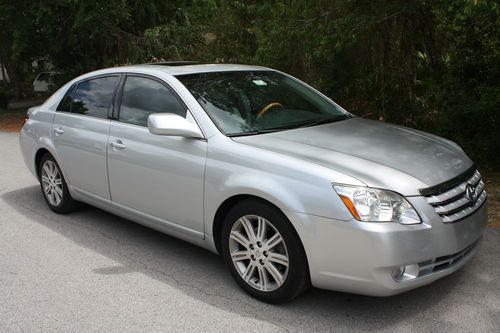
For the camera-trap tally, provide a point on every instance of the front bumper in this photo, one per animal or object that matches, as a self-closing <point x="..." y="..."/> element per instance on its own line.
<point x="360" y="257"/>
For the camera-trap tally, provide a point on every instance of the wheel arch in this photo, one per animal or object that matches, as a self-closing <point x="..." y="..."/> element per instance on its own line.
<point x="38" y="156"/>
<point x="42" y="150"/>
<point x="229" y="203"/>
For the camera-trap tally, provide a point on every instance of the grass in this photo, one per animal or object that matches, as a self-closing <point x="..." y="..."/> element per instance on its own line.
<point x="11" y="120"/>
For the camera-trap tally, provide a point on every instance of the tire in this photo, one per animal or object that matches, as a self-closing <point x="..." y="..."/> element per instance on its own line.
<point x="54" y="188"/>
<point x="269" y="268"/>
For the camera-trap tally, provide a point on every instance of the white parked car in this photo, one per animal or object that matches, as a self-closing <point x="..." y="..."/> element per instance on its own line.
<point x="45" y="82"/>
<point x="255" y="165"/>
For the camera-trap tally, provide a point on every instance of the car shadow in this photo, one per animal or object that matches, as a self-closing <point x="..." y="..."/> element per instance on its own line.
<point x="203" y="276"/>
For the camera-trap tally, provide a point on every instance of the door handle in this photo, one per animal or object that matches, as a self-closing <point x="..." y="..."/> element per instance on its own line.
<point x="58" y="131"/>
<point x="117" y="145"/>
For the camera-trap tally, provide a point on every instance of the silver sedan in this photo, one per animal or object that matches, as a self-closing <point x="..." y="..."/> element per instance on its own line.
<point x="251" y="163"/>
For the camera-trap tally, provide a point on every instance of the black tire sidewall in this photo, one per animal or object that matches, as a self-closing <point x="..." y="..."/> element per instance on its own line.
<point x="297" y="279"/>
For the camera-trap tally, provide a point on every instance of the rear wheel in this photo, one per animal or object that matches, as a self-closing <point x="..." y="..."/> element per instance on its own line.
<point x="263" y="252"/>
<point x="54" y="188"/>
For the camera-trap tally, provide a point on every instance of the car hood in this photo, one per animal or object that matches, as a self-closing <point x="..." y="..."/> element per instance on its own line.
<point x="378" y="154"/>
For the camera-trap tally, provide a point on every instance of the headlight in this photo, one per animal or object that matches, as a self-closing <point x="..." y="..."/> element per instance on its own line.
<point x="374" y="205"/>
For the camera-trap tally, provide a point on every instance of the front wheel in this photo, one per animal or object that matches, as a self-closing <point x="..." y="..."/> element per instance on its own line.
<point x="263" y="252"/>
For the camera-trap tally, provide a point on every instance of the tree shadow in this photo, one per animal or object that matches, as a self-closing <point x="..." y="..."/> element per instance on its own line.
<point x="203" y="276"/>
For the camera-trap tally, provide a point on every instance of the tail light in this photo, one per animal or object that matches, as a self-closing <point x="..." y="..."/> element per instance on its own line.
<point x="26" y="118"/>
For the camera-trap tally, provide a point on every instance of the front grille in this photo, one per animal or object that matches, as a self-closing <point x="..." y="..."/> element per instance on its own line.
<point x="444" y="262"/>
<point x="454" y="203"/>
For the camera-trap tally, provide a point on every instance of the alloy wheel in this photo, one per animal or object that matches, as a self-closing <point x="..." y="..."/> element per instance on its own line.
<point x="258" y="253"/>
<point x="52" y="184"/>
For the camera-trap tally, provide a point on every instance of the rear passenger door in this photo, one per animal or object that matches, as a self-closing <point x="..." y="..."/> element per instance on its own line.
<point x="160" y="176"/>
<point x="80" y="133"/>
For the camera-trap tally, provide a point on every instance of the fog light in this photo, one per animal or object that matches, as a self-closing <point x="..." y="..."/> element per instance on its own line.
<point x="404" y="273"/>
<point x="399" y="272"/>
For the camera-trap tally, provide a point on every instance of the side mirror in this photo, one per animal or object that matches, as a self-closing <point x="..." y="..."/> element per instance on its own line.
<point x="172" y="125"/>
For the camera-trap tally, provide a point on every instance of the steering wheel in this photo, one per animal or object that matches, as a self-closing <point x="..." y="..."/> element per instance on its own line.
<point x="268" y="107"/>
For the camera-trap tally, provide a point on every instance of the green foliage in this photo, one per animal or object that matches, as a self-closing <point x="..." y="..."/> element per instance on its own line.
<point x="427" y="64"/>
<point x="470" y="86"/>
<point x="433" y="65"/>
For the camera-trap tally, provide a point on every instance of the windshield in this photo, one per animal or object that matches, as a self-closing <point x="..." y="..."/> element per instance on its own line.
<point x="253" y="102"/>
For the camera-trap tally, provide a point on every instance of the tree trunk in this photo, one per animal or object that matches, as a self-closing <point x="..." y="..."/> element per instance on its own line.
<point x="3" y="72"/>
<point x="15" y="78"/>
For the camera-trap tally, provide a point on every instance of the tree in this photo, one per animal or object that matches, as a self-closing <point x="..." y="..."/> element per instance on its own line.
<point x="20" y="40"/>
<point x="427" y="64"/>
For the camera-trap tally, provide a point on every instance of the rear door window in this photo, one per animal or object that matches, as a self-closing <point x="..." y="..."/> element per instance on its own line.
<point x="94" y="97"/>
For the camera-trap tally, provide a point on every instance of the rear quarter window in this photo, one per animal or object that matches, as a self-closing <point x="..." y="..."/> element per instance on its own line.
<point x="65" y="104"/>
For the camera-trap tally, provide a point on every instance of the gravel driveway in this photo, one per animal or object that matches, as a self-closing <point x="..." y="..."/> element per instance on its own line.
<point x="93" y="271"/>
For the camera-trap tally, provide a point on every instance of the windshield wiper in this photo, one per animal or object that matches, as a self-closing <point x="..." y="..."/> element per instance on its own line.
<point x="293" y="125"/>
<point x="326" y="120"/>
<point x="313" y="122"/>
<point x="255" y="132"/>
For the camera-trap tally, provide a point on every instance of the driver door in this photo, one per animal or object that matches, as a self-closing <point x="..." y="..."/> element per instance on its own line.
<point x="159" y="176"/>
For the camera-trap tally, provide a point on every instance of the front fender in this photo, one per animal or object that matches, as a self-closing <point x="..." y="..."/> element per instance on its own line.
<point x="291" y="184"/>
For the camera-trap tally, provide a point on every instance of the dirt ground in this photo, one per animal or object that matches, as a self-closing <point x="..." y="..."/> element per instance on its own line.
<point x="11" y="120"/>
<point x="493" y="189"/>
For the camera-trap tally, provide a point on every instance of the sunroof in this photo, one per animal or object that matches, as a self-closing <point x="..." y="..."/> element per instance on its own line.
<point x="174" y="63"/>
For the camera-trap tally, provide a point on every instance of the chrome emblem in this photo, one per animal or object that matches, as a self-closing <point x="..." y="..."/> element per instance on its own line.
<point x="470" y="192"/>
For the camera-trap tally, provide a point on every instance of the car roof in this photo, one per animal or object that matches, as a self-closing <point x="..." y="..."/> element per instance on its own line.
<point x="180" y="69"/>
<point x="169" y="69"/>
